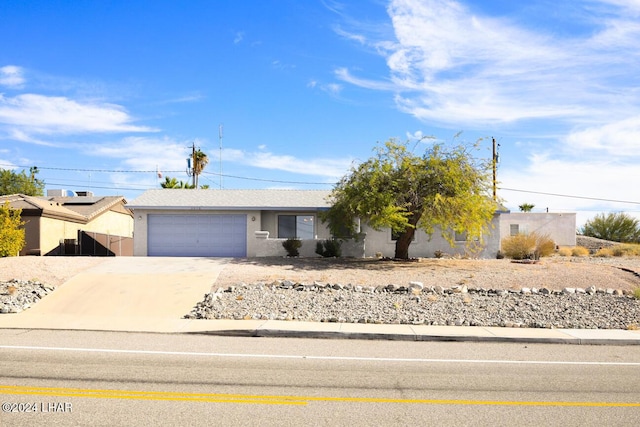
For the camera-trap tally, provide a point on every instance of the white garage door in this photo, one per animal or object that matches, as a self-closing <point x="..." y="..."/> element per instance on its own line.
<point x="197" y="235"/>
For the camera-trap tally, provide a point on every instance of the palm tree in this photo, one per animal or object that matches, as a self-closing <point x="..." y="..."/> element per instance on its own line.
<point x="174" y="183"/>
<point x="200" y="161"/>
<point x="526" y="207"/>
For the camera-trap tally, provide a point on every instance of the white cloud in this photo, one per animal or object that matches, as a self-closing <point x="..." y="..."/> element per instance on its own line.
<point x="332" y="88"/>
<point x="596" y="185"/>
<point x="22" y="136"/>
<point x="144" y="153"/>
<point x="568" y="81"/>
<point x="41" y="114"/>
<point x="333" y="169"/>
<point x="455" y="66"/>
<point x="351" y="36"/>
<point x="11" y="76"/>
<point x="617" y="139"/>
<point x="344" y="75"/>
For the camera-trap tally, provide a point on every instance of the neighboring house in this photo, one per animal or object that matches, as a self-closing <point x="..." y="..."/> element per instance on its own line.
<point x="254" y="223"/>
<point x="560" y="227"/>
<point x="60" y="225"/>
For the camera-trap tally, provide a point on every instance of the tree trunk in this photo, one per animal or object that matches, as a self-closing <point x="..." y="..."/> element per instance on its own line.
<point x="403" y="242"/>
<point x="405" y="239"/>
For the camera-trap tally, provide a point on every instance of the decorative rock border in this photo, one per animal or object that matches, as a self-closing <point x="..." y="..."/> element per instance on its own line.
<point x="590" y="308"/>
<point x="19" y="295"/>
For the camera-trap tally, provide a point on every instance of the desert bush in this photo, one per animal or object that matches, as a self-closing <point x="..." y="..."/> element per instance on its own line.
<point x="626" y="250"/>
<point x="604" y="253"/>
<point x="291" y="246"/>
<point x="528" y="246"/>
<point x="564" y="251"/>
<point x="580" y="251"/>
<point x="544" y="246"/>
<point x="520" y="246"/>
<point x="329" y="248"/>
<point x="636" y="293"/>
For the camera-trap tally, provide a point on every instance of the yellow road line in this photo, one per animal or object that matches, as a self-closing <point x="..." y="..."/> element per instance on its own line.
<point x="276" y="400"/>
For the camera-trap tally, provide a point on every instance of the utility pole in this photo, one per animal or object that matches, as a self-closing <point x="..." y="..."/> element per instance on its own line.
<point x="495" y="161"/>
<point x="191" y="165"/>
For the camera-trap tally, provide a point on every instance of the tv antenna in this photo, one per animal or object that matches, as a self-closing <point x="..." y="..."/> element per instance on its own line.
<point x="220" y="129"/>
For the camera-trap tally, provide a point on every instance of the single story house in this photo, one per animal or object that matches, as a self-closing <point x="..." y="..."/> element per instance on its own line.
<point x="56" y="224"/>
<point x="254" y="223"/>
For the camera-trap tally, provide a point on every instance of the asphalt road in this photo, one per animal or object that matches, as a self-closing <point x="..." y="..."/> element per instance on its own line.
<point x="101" y="378"/>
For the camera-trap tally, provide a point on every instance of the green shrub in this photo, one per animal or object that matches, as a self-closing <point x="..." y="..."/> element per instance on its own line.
<point x="329" y="248"/>
<point x="617" y="227"/>
<point x="636" y="293"/>
<point x="291" y="246"/>
<point x="11" y="231"/>
<point x="527" y="246"/>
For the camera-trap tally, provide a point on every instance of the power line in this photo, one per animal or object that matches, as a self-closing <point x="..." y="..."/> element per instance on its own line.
<point x="570" y="196"/>
<point x="108" y="188"/>
<point x="293" y="182"/>
<point x="92" y="170"/>
<point x="272" y="180"/>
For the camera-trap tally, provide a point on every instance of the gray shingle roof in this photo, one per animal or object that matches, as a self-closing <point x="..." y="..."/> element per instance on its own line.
<point x="231" y="199"/>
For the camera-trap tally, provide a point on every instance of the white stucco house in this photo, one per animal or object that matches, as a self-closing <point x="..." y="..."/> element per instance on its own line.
<point x="254" y="223"/>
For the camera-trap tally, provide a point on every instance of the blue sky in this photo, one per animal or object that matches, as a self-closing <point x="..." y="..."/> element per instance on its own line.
<point x="100" y="94"/>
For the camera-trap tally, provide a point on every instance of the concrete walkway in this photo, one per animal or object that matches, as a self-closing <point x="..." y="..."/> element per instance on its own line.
<point x="146" y="294"/>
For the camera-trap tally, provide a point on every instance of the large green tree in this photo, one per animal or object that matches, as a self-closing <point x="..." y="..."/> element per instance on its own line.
<point x="21" y="183"/>
<point x="617" y="227"/>
<point x="445" y="188"/>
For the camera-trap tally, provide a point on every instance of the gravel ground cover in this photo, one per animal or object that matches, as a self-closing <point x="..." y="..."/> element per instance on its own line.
<point x="557" y="292"/>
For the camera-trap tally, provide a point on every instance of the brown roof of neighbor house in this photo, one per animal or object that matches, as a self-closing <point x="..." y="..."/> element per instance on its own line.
<point x="74" y="209"/>
<point x="91" y="206"/>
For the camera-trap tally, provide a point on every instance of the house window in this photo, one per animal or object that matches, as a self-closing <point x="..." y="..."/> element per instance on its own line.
<point x="296" y="227"/>
<point x="514" y="229"/>
<point x="461" y="237"/>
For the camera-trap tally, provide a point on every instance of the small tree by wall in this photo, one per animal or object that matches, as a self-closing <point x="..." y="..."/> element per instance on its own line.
<point x="12" y="237"/>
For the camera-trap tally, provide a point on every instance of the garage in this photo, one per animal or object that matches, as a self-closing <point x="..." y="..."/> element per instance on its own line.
<point x="197" y="235"/>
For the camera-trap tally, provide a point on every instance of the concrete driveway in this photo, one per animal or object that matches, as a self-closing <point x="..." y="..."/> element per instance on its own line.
<point x="124" y="293"/>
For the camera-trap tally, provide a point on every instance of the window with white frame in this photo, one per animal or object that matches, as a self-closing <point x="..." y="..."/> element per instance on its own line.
<point x="296" y="227"/>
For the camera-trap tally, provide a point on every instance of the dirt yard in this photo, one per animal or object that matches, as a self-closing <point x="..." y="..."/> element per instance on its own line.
<point x="553" y="273"/>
